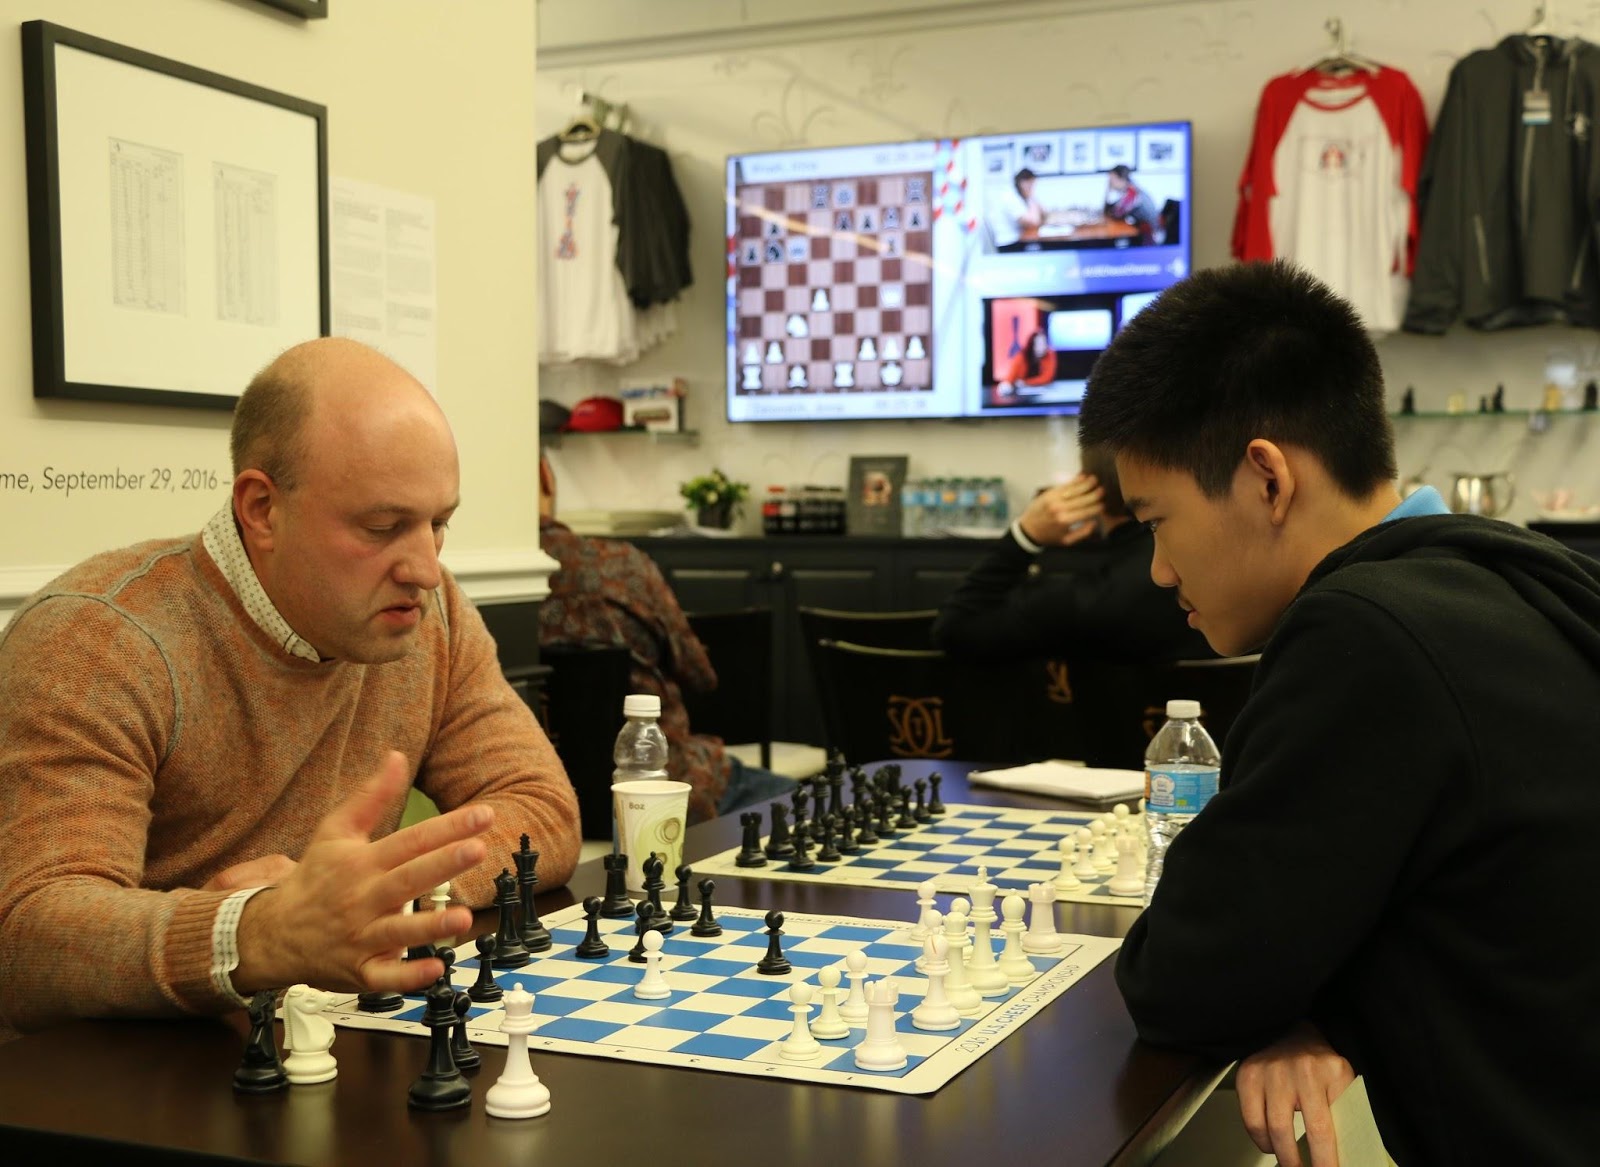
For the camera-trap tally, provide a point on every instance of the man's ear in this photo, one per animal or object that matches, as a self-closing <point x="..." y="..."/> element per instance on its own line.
<point x="1271" y="478"/>
<point x="254" y="500"/>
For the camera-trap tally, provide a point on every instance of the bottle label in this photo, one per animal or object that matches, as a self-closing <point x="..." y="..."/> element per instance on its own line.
<point x="1178" y="791"/>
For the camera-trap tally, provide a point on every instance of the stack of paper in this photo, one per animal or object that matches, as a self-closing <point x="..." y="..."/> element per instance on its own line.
<point x="1065" y="780"/>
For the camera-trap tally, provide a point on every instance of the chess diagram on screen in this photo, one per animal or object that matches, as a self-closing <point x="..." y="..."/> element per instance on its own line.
<point x="834" y="285"/>
<point x="746" y="999"/>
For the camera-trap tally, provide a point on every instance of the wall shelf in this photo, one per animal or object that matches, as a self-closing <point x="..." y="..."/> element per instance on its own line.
<point x="1439" y="414"/>
<point x="657" y="437"/>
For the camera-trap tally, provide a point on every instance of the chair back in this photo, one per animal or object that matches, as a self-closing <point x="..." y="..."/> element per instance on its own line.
<point x="739" y="709"/>
<point x="583" y="714"/>
<point x="907" y="630"/>
<point x="918" y="703"/>
<point x="1120" y="707"/>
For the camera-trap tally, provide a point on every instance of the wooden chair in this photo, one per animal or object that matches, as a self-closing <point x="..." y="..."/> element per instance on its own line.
<point x="583" y="714"/>
<point x="739" y="709"/>
<point x="918" y="703"/>
<point x="905" y="630"/>
<point x="1121" y="707"/>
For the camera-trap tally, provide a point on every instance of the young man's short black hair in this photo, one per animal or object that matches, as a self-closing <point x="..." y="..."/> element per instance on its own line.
<point x="1255" y="350"/>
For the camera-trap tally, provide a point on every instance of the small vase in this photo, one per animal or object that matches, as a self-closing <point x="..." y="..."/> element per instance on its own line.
<point x="719" y="516"/>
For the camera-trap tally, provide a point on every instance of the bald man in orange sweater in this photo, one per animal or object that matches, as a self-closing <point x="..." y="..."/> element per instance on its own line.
<point x="206" y="742"/>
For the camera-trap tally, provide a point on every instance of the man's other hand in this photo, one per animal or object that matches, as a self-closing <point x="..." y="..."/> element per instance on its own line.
<point x="1300" y="1072"/>
<point x="1065" y="514"/>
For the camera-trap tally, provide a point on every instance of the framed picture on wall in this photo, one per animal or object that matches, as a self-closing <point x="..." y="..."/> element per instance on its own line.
<point x="874" y="505"/>
<point x="313" y="9"/>
<point x="177" y="223"/>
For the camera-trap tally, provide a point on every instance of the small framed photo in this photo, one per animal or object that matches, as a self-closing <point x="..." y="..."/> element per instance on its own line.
<point x="874" y="504"/>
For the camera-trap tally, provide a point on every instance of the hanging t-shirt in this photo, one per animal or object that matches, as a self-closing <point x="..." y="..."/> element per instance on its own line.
<point x="1331" y="183"/>
<point x="584" y="310"/>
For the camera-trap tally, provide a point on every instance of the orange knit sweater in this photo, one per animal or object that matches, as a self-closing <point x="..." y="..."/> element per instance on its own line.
<point x="151" y="735"/>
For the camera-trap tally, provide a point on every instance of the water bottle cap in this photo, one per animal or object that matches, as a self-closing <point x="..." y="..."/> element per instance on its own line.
<point x="641" y="705"/>
<point x="1175" y="708"/>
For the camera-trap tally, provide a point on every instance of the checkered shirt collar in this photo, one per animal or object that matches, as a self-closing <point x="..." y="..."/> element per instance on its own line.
<point x="226" y="549"/>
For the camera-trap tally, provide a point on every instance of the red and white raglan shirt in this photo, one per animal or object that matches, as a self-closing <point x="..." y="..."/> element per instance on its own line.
<point x="1331" y="183"/>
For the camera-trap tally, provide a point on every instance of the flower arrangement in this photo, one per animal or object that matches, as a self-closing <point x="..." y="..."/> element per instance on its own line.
<point x="715" y="496"/>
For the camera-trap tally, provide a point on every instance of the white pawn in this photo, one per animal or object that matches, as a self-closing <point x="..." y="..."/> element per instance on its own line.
<point x="1127" y="881"/>
<point x="932" y="921"/>
<point x="653" y="985"/>
<point x="926" y="899"/>
<point x="1123" y="817"/>
<point x="799" y="1046"/>
<point x="829" y="1023"/>
<point x="1042" y="935"/>
<point x="882" y="1049"/>
<point x="957" y="987"/>
<point x="1066" y="880"/>
<point x="854" y="1010"/>
<point x="1104" y="856"/>
<point x="868" y="350"/>
<point x="1014" y="963"/>
<point x="914" y="349"/>
<point x="819" y="302"/>
<point x="440" y="899"/>
<point x="891" y="349"/>
<point x="752" y="354"/>
<point x="774" y="354"/>
<point x="934" y="1011"/>
<point x="1084" y="868"/>
<point x="517" y="1093"/>
<point x="308" y="1036"/>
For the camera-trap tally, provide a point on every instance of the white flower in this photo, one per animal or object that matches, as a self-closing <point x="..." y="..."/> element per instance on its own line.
<point x="711" y="497"/>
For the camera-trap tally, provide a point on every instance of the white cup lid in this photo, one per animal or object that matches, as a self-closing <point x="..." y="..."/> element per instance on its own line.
<point x="1175" y="708"/>
<point x="641" y="705"/>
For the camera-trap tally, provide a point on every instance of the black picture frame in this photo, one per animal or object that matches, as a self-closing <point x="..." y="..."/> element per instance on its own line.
<point x="305" y="9"/>
<point x="874" y="505"/>
<point x="188" y="209"/>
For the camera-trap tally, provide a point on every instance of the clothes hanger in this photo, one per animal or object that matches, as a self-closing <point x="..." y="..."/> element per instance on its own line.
<point x="1541" y="21"/>
<point x="1341" y="60"/>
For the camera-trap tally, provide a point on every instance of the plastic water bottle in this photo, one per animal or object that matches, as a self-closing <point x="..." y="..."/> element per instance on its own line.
<point x="641" y="749"/>
<point x="1181" y="768"/>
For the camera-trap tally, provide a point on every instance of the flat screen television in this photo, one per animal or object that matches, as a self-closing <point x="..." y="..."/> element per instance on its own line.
<point x="978" y="277"/>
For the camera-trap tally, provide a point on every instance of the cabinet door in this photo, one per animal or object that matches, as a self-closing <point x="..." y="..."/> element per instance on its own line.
<point x="720" y="581"/>
<point x="925" y="576"/>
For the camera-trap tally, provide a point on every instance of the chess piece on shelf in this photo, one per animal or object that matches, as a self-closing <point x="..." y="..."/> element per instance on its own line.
<point x="261" y="1071"/>
<point x="774" y="963"/>
<point x="518" y="1093"/>
<point x="441" y="1086"/>
<point x="1497" y="403"/>
<point x="509" y="951"/>
<point x="485" y="989"/>
<point x="1408" y="402"/>
<point x="591" y="947"/>
<point x="683" y="909"/>
<point x="1591" y="396"/>
<point x="616" y="905"/>
<point x="534" y="935"/>
<point x="308" y="1036"/>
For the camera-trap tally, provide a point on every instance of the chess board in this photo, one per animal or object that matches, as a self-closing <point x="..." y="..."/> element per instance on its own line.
<point x="833" y="285"/>
<point x="1018" y="847"/>
<point x="723" y="1016"/>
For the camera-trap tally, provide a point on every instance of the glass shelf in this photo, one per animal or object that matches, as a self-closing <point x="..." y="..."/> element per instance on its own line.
<point x="1436" y="414"/>
<point x="658" y="437"/>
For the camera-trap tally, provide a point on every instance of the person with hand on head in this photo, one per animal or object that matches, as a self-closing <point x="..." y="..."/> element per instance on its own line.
<point x="1392" y="880"/>
<point x="206" y="742"/>
<point x="1027" y="599"/>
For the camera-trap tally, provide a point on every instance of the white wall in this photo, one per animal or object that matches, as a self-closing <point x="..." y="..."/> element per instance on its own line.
<point x="721" y="78"/>
<point x="422" y="97"/>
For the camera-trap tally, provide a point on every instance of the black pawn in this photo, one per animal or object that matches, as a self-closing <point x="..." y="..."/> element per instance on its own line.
<point x="836" y="790"/>
<point x="797" y="799"/>
<point x="465" y="1057"/>
<point x="641" y="925"/>
<point x="847" y="826"/>
<point x="484" y="989"/>
<point x="535" y="936"/>
<point x="750" y="847"/>
<point x="921" y="813"/>
<point x="828" y="853"/>
<point x="935" y="807"/>
<point x="800" y="860"/>
<point x="1408" y="402"/>
<point x="707" y="924"/>
<point x="616" y="904"/>
<point x="509" y="951"/>
<point x="441" y="1086"/>
<point x="261" y="1071"/>
<point x="380" y="1001"/>
<point x="779" y="845"/>
<point x="863" y="812"/>
<point x="591" y="947"/>
<point x="683" y="909"/>
<point x="885" y="826"/>
<point x="774" y="963"/>
<point x="654" y="885"/>
<point x="858" y="784"/>
<point x="907" y="821"/>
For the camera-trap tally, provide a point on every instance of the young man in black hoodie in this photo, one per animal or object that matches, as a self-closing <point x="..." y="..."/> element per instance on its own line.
<point x="1397" y="876"/>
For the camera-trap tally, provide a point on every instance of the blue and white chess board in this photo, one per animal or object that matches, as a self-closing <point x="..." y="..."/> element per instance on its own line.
<point x="724" y="1016"/>
<point x="1018" y="847"/>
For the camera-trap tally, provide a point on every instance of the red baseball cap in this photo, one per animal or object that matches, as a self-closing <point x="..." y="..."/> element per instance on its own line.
<point x="595" y="415"/>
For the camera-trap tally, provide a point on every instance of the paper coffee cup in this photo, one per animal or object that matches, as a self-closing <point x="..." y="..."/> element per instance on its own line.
<point x="651" y="816"/>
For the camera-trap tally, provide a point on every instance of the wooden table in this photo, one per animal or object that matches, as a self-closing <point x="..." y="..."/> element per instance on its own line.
<point x="1100" y="230"/>
<point x="1072" y="1087"/>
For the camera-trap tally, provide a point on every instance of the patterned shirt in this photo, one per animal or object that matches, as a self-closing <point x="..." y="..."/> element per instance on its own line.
<point x="610" y="592"/>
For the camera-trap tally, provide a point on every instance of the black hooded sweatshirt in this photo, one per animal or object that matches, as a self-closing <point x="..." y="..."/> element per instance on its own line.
<point x="1403" y="851"/>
